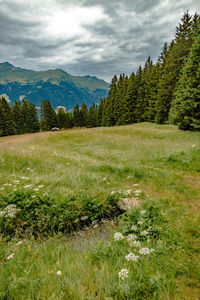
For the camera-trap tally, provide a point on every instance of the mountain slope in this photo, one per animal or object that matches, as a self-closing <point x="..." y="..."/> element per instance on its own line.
<point x="58" y="86"/>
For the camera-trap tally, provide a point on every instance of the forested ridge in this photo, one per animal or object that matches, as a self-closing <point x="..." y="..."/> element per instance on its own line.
<point x="167" y="91"/>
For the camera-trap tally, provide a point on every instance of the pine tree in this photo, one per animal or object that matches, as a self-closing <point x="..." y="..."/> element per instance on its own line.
<point x="108" y="115"/>
<point x="6" y="121"/>
<point x="100" y="112"/>
<point x="83" y="115"/>
<point x="185" y="110"/>
<point x="92" y="117"/>
<point x="61" y="118"/>
<point x="76" y="116"/>
<point x="176" y="57"/>
<point x="30" y="118"/>
<point x="18" y="117"/>
<point x="48" y="116"/>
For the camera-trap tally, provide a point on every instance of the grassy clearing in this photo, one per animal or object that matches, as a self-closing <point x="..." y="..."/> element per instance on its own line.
<point x="92" y="169"/>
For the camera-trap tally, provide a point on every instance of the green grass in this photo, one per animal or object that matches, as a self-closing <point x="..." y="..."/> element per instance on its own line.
<point x="76" y="165"/>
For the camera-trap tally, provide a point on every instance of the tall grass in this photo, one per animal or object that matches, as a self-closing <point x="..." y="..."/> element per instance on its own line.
<point x="102" y="165"/>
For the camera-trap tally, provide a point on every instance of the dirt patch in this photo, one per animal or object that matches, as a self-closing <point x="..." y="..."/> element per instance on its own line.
<point x="16" y="140"/>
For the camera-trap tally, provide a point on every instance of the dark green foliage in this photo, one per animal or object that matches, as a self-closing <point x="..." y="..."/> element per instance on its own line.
<point x="24" y="213"/>
<point x="185" y="110"/>
<point x="92" y="117"/>
<point x="83" y="115"/>
<point x="61" y="118"/>
<point x="18" y="117"/>
<point x="30" y="119"/>
<point x="6" y="121"/>
<point x="76" y="116"/>
<point x="48" y="116"/>
<point x="175" y="59"/>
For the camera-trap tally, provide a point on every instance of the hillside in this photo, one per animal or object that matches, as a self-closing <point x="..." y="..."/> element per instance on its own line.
<point x="57" y="86"/>
<point x="64" y="233"/>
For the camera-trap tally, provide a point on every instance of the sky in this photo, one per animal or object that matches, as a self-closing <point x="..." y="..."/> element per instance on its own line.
<point x="88" y="37"/>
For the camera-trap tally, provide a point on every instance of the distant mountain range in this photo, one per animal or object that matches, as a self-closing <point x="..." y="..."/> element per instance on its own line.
<point x="61" y="88"/>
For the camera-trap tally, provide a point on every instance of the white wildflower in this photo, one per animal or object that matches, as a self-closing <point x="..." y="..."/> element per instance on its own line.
<point x="118" y="236"/>
<point x="10" y="211"/>
<point x="135" y="243"/>
<point x="7" y="184"/>
<point x="16" y="181"/>
<point x="11" y="256"/>
<point x="134" y="227"/>
<point x="123" y="274"/>
<point x="132" y="256"/>
<point x="84" y="218"/>
<point x="146" y="251"/>
<point x="59" y="273"/>
<point x="193" y="145"/>
<point x="140" y="222"/>
<point x="28" y="169"/>
<point x="34" y="196"/>
<point x="135" y="184"/>
<point x="28" y="186"/>
<point x="143" y="212"/>
<point x="36" y="189"/>
<point x="138" y="192"/>
<point x="144" y="233"/>
<point x="131" y="237"/>
<point x="113" y="193"/>
<point x="41" y="186"/>
<point x="19" y="243"/>
<point x="24" y="178"/>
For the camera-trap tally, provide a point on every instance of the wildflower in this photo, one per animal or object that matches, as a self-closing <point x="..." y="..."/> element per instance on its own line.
<point x="123" y="274"/>
<point x="59" y="273"/>
<point x="24" y="178"/>
<point x="28" y="169"/>
<point x="131" y="237"/>
<point x="28" y="186"/>
<point x="138" y="192"/>
<point x="118" y="236"/>
<point x="140" y="222"/>
<point x="10" y="211"/>
<point x="7" y="184"/>
<point x="19" y="243"/>
<point x="16" y="181"/>
<point x="131" y="256"/>
<point x="135" y="243"/>
<point x="84" y="218"/>
<point x="193" y="145"/>
<point x="143" y="212"/>
<point x="136" y="184"/>
<point x="146" y="251"/>
<point x="144" y="233"/>
<point x="134" y="227"/>
<point x="36" y="189"/>
<point x="11" y="256"/>
<point x="41" y="186"/>
<point x="113" y="193"/>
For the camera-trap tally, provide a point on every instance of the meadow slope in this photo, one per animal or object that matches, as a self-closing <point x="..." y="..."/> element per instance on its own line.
<point x="89" y="172"/>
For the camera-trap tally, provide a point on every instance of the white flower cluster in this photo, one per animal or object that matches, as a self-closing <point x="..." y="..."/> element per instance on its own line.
<point x="134" y="227"/>
<point x="132" y="256"/>
<point x="131" y="237"/>
<point x="9" y="211"/>
<point x="118" y="236"/>
<point x="11" y="256"/>
<point x="144" y="233"/>
<point x="136" y="244"/>
<point x="123" y="274"/>
<point x="146" y="251"/>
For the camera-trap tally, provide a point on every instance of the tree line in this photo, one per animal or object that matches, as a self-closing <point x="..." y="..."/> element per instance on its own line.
<point x="167" y="91"/>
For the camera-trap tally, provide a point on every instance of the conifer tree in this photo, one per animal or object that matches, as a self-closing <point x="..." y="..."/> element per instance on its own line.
<point x="185" y="110"/>
<point x="176" y="57"/>
<point x="92" y="117"/>
<point x="100" y="112"/>
<point x="76" y="116"/>
<point x="18" y="117"/>
<point x="108" y="115"/>
<point x="48" y="116"/>
<point x="6" y="121"/>
<point x="83" y="115"/>
<point x="61" y="118"/>
<point x="30" y="118"/>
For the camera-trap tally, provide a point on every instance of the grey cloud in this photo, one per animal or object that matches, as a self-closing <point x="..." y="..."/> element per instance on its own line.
<point x="131" y="31"/>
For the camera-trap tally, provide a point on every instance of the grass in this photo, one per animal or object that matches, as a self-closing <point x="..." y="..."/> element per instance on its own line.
<point x="80" y="164"/>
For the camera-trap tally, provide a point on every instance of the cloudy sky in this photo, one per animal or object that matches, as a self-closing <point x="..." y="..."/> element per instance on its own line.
<point x="92" y="37"/>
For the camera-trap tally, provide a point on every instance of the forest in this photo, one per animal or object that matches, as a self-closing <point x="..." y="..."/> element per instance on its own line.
<point x="165" y="92"/>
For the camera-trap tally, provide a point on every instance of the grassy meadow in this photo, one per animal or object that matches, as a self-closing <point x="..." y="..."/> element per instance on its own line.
<point x="61" y="198"/>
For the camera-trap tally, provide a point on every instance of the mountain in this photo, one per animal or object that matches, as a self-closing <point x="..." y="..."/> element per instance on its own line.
<point x="58" y="86"/>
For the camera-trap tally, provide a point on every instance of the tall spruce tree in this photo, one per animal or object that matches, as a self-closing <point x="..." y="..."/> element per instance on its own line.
<point x="92" y="117"/>
<point x="6" y="121"/>
<point x="185" y="110"/>
<point x="83" y="115"/>
<point x="30" y="118"/>
<point x="48" y="116"/>
<point x="61" y="118"/>
<point x="76" y="116"/>
<point x="18" y="117"/>
<point x="176" y="57"/>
